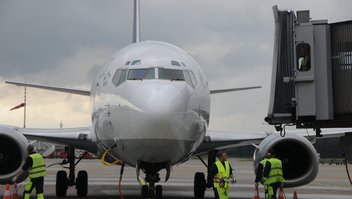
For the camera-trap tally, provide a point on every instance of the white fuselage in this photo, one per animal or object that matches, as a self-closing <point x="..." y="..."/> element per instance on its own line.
<point x="151" y="103"/>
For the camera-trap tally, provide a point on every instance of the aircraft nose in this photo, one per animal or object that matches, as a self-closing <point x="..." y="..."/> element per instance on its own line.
<point x="156" y="98"/>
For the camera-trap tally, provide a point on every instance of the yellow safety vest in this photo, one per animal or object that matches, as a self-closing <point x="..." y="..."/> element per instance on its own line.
<point x="223" y="172"/>
<point x="38" y="167"/>
<point x="275" y="174"/>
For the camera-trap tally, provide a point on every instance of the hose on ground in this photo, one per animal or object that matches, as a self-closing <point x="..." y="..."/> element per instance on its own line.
<point x="348" y="173"/>
<point x="116" y="162"/>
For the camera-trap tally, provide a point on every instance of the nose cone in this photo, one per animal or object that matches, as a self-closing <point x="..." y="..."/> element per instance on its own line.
<point x="161" y="110"/>
<point x="158" y="99"/>
<point x="161" y="126"/>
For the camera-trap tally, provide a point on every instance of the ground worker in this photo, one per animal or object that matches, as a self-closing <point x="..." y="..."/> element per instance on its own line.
<point x="36" y="168"/>
<point x="304" y="59"/>
<point x="221" y="172"/>
<point x="270" y="173"/>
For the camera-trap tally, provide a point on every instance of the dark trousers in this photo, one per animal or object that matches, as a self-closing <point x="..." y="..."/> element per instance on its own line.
<point x="275" y="186"/>
<point x="36" y="183"/>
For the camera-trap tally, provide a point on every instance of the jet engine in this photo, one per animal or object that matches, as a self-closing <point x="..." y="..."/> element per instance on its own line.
<point x="299" y="158"/>
<point x="13" y="153"/>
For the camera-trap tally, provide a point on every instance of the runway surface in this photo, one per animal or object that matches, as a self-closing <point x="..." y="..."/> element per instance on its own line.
<point x="332" y="182"/>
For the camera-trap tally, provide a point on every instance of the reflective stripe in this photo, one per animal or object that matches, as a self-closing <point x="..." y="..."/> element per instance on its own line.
<point x="35" y="172"/>
<point x="218" y="180"/>
<point x="43" y="165"/>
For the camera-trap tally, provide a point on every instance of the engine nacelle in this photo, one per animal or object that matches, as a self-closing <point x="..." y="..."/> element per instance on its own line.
<point x="299" y="158"/>
<point x="13" y="153"/>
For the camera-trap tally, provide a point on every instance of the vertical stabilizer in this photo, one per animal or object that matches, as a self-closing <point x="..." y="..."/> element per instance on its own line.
<point x="136" y="21"/>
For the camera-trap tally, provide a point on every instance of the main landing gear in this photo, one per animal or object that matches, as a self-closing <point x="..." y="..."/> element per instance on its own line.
<point x="200" y="184"/>
<point x="63" y="182"/>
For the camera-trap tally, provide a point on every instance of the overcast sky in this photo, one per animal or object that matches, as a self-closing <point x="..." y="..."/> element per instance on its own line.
<point x="65" y="42"/>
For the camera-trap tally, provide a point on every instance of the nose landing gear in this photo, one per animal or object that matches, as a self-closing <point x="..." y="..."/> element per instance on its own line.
<point x="152" y="191"/>
<point x="151" y="170"/>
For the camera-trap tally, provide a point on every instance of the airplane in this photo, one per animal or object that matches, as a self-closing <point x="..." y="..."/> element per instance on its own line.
<point x="150" y="110"/>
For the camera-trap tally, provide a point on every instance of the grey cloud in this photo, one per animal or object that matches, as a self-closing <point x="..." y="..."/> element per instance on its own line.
<point x="36" y="35"/>
<point x="52" y="41"/>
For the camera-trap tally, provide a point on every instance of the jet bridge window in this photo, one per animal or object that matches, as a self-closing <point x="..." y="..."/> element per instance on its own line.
<point x="171" y="74"/>
<point x="303" y="57"/>
<point x="140" y="74"/>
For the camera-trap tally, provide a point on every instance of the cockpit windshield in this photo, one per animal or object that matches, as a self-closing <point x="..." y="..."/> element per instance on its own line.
<point x="161" y="73"/>
<point x="140" y="74"/>
<point x="171" y="74"/>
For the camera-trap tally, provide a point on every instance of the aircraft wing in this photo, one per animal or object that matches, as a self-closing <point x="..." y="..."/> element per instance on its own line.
<point x="53" y="88"/>
<point x="80" y="138"/>
<point x="233" y="89"/>
<point x="216" y="140"/>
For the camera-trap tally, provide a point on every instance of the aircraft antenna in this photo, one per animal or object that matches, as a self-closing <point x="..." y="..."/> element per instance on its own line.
<point x="136" y="21"/>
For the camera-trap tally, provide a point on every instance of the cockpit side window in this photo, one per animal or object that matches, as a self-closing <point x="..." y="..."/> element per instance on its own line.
<point x="171" y="74"/>
<point x="119" y="77"/>
<point x="188" y="78"/>
<point x="123" y="76"/>
<point x="116" y="78"/>
<point x="140" y="74"/>
<point x="193" y="78"/>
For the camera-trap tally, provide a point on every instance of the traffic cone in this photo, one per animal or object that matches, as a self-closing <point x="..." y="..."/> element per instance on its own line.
<point x="7" y="194"/>
<point x="281" y="194"/>
<point x="256" y="194"/>
<point x="295" y="195"/>
<point x="15" y="193"/>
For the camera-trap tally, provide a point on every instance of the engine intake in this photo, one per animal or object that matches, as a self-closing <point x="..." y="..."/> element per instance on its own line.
<point x="299" y="158"/>
<point x="13" y="153"/>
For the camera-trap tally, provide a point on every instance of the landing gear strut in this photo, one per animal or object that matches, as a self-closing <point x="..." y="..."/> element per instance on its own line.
<point x="63" y="182"/>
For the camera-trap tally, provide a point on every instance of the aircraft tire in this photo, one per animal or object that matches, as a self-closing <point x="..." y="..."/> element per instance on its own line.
<point x="199" y="185"/>
<point x="144" y="192"/>
<point x="82" y="183"/>
<point x="61" y="183"/>
<point x="158" y="192"/>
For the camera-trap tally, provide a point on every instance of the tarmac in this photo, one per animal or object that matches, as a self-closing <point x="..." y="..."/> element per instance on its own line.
<point x="331" y="182"/>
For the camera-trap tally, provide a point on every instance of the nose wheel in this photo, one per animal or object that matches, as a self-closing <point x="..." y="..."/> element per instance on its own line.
<point x="151" y="192"/>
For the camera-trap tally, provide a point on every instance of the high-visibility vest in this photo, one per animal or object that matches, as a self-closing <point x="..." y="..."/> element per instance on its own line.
<point x="223" y="172"/>
<point x="38" y="167"/>
<point x="275" y="174"/>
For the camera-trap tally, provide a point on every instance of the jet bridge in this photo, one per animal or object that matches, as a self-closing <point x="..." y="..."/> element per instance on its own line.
<point x="311" y="84"/>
